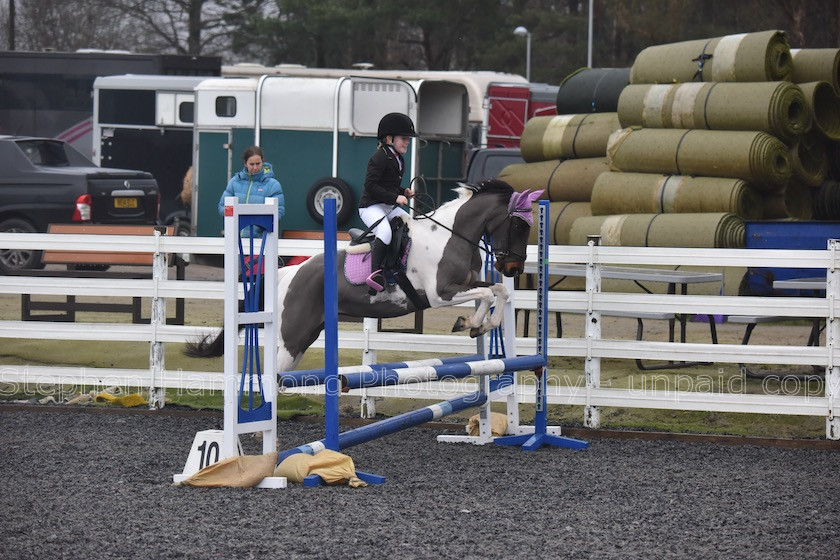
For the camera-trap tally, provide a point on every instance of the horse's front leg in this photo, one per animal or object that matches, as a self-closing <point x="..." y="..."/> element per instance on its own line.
<point x="486" y="296"/>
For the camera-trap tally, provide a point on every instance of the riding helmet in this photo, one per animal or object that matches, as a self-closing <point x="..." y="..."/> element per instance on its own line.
<point x="395" y="124"/>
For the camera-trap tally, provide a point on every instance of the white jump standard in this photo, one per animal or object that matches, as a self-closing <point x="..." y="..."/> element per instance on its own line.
<point x="250" y="397"/>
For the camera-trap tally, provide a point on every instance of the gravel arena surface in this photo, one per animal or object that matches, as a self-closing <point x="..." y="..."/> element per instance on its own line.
<point x="92" y="485"/>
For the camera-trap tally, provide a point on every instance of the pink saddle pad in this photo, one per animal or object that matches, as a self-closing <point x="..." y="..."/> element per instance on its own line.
<point x="357" y="268"/>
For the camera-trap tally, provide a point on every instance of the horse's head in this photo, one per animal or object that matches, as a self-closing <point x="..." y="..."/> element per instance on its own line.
<point x="510" y="238"/>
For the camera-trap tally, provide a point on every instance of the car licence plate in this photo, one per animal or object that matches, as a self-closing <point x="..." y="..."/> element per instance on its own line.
<point x="125" y="202"/>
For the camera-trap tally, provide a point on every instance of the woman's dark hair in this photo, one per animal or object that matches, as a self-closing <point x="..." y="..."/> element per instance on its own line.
<point x="252" y="151"/>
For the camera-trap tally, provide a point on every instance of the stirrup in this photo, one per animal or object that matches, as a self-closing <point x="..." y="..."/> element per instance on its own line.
<point x="376" y="281"/>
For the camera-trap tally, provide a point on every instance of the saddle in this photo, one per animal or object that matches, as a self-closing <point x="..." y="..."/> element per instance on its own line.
<point x="357" y="264"/>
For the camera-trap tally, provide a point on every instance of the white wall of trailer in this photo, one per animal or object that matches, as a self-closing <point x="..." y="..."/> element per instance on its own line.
<point x="475" y="82"/>
<point x="592" y="347"/>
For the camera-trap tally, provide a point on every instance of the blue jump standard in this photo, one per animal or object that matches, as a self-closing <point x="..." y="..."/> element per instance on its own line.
<point x="540" y="437"/>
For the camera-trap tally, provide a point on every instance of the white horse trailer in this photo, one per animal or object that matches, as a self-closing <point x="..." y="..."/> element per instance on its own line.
<point x="318" y="133"/>
<point x="146" y="122"/>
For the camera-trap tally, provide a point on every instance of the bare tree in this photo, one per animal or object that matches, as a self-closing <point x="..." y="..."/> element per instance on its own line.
<point x="7" y="23"/>
<point x="196" y="27"/>
<point x="46" y="24"/>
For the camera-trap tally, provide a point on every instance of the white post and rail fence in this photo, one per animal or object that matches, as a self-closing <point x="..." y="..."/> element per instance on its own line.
<point x="588" y="304"/>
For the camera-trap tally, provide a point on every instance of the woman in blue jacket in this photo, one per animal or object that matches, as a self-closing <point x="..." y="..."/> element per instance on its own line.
<point x="254" y="183"/>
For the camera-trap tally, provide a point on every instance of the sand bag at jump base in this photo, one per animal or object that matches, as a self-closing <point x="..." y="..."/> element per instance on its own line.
<point x="756" y="157"/>
<point x="778" y="108"/>
<point x="567" y="136"/>
<point x="591" y="90"/>
<point x="824" y="103"/>
<point x="816" y="65"/>
<point x="712" y="230"/>
<point x="648" y="193"/>
<point x="570" y="180"/>
<point x="561" y="216"/>
<point x="763" y="56"/>
<point x="236" y="472"/>
<point x="333" y="468"/>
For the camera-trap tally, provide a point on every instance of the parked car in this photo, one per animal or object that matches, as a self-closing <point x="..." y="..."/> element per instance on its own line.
<point x="487" y="163"/>
<point x="46" y="181"/>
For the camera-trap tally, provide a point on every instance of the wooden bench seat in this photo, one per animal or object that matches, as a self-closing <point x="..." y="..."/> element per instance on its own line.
<point x="82" y="264"/>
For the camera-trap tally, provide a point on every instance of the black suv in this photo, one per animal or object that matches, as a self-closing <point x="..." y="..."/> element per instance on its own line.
<point x="46" y="181"/>
<point x="487" y="163"/>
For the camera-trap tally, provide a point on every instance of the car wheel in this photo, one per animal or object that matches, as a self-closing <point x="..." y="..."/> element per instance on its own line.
<point x="330" y="188"/>
<point x="12" y="260"/>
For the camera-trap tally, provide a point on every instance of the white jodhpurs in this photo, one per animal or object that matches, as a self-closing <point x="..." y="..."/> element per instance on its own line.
<point x="371" y="213"/>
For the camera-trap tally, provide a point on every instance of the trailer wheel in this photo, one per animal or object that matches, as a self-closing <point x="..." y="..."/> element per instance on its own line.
<point x="331" y="187"/>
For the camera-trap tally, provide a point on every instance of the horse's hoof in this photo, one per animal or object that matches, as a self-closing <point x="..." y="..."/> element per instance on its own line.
<point x="476" y="331"/>
<point x="460" y="325"/>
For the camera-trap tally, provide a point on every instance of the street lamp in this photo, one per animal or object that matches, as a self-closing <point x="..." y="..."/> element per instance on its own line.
<point x="523" y="32"/>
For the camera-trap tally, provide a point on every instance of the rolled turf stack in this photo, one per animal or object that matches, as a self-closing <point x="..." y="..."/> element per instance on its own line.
<point x="566" y="153"/>
<point x="714" y="230"/>
<point x="700" y="144"/>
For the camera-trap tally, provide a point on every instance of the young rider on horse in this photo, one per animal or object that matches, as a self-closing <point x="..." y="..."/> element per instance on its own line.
<point x="383" y="191"/>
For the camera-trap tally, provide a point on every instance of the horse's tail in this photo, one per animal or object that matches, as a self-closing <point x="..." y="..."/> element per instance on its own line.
<point x="209" y="346"/>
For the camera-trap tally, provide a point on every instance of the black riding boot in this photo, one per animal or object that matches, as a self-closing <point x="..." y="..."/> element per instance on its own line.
<point x="376" y="280"/>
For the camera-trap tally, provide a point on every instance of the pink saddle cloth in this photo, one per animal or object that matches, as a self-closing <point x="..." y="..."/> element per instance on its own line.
<point x="357" y="268"/>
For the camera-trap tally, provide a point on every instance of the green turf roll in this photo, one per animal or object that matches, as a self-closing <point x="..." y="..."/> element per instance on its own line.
<point x="824" y="104"/>
<point x="763" y="56"/>
<point x="567" y="136"/>
<point x="756" y="157"/>
<point x="778" y="108"/>
<point x="809" y="159"/>
<point x="563" y="180"/>
<point x="561" y="216"/>
<point x="794" y="201"/>
<point x="712" y="230"/>
<point x="648" y="193"/>
<point x="816" y="65"/>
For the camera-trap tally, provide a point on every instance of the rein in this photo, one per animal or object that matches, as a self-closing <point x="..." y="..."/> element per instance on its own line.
<point x="487" y="248"/>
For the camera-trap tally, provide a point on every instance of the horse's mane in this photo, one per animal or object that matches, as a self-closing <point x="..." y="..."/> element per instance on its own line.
<point x="466" y="191"/>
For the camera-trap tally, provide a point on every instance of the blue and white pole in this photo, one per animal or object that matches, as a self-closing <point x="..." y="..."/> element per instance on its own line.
<point x="392" y="425"/>
<point x="312" y="377"/>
